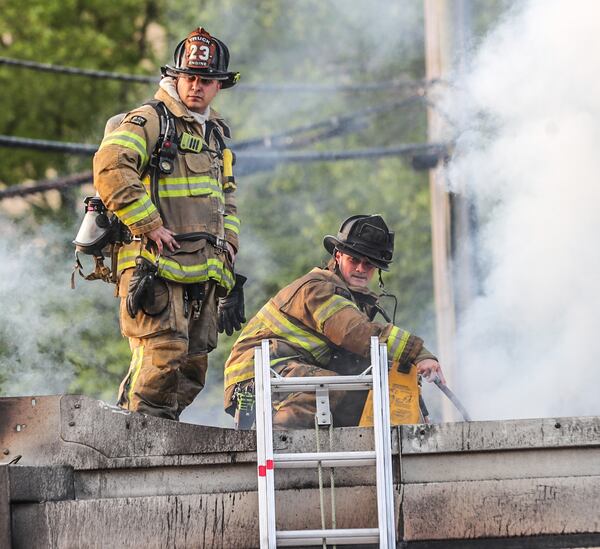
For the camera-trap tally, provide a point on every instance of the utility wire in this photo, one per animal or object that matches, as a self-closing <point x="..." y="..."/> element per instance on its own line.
<point x="283" y="138"/>
<point x="74" y="71"/>
<point x="305" y="156"/>
<point x="59" y="183"/>
<point x="395" y="84"/>
<point x="328" y="156"/>
<point x="273" y="141"/>
<point x="45" y="145"/>
<point x="252" y="161"/>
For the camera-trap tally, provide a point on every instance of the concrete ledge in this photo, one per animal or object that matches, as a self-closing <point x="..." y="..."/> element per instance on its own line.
<point x="201" y="520"/>
<point x="574" y="541"/>
<point x="501" y="508"/>
<point x="39" y="484"/>
<point x="5" y="511"/>
<point x="515" y="434"/>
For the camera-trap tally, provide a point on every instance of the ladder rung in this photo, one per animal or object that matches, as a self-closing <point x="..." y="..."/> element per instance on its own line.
<point x="348" y="536"/>
<point x="327" y="459"/>
<point x="335" y="383"/>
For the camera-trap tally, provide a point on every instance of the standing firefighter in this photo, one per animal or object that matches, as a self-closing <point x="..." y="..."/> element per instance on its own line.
<point x="166" y="173"/>
<point x="321" y="325"/>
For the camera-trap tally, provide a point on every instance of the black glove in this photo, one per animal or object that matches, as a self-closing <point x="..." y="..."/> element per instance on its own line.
<point x="141" y="286"/>
<point x="231" y="308"/>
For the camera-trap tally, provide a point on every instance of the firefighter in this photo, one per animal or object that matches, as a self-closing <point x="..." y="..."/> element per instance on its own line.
<point x="165" y="171"/>
<point x="321" y="325"/>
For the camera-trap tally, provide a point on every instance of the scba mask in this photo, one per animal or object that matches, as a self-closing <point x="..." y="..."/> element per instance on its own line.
<point x="98" y="234"/>
<point x="97" y="228"/>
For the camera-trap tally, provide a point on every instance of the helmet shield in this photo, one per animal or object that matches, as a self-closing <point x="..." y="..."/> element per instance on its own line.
<point x="204" y="55"/>
<point x="364" y="236"/>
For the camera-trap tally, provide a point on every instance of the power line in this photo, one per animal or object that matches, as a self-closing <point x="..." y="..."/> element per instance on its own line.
<point x="252" y="161"/>
<point x="307" y="156"/>
<point x="282" y="139"/>
<point x="47" y="146"/>
<point x="75" y="71"/>
<point x="399" y="83"/>
<point x="59" y="183"/>
<point x="405" y="149"/>
<point x="332" y="126"/>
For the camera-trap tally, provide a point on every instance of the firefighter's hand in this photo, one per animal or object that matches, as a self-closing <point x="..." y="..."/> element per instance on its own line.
<point x="162" y="237"/>
<point x="431" y="370"/>
<point x="231" y="311"/>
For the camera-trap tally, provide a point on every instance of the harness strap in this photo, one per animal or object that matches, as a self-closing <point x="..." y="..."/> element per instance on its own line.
<point x="211" y="127"/>
<point x="166" y="132"/>
<point x="217" y="242"/>
<point x="100" y="272"/>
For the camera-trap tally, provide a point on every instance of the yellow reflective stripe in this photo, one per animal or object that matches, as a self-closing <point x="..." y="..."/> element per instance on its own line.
<point x="126" y="259"/>
<point x="185" y="274"/>
<point x="200" y="272"/>
<point x="250" y="330"/>
<point x="232" y="223"/>
<point x="173" y="187"/>
<point x="327" y="309"/>
<point x="129" y="140"/>
<point x="135" y="368"/>
<point x="396" y="343"/>
<point x="281" y="326"/>
<point x="137" y="210"/>
<point x="238" y="372"/>
<point x="241" y="371"/>
<point x="194" y="180"/>
<point x="216" y="268"/>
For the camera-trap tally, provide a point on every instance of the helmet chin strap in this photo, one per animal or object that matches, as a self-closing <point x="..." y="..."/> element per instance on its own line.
<point x="384" y="293"/>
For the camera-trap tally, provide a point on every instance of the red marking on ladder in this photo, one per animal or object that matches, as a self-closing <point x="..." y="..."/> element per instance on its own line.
<point x="262" y="471"/>
<point x="270" y="464"/>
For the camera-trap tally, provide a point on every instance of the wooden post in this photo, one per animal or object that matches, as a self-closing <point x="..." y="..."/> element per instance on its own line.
<point x="446" y="30"/>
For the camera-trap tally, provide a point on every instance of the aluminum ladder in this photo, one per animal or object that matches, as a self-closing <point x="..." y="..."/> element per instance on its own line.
<point x="381" y="457"/>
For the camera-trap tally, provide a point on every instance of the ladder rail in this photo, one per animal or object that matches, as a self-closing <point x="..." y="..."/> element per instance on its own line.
<point x="378" y="435"/>
<point x="387" y="447"/>
<point x="261" y="421"/>
<point x="381" y="457"/>
<point x="270" y="465"/>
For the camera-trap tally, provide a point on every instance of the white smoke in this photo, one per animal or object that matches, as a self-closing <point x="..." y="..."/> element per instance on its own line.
<point x="41" y="318"/>
<point x="528" y="345"/>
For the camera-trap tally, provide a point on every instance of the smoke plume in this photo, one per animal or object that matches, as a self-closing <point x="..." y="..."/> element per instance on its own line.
<point x="42" y="320"/>
<point x="527" y="344"/>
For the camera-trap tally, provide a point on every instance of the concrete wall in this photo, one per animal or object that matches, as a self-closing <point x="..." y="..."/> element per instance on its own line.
<point x="90" y="475"/>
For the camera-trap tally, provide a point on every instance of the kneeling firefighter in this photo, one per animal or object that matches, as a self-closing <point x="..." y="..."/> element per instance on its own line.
<point x="321" y="325"/>
<point x="166" y="173"/>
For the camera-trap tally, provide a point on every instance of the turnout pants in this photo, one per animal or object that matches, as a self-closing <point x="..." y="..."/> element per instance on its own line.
<point x="169" y="351"/>
<point x="297" y="410"/>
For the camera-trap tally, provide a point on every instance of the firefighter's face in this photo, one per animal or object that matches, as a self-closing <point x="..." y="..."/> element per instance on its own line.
<point x="196" y="92"/>
<point x="356" y="272"/>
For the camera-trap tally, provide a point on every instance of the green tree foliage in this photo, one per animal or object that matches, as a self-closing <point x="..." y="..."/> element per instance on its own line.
<point x="286" y="208"/>
<point x="90" y="34"/>
<point x="79" y="341"/>
<point x="286" y="211"/>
